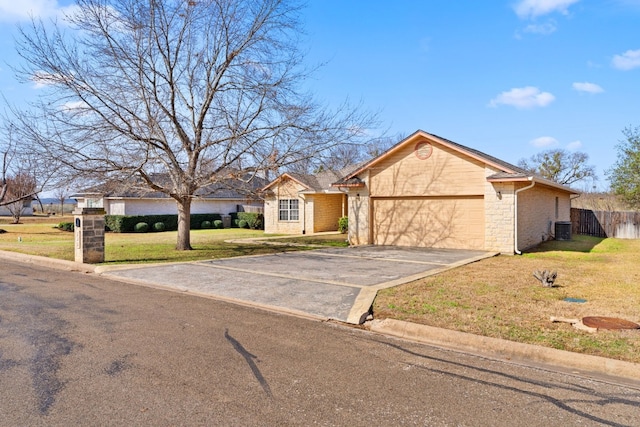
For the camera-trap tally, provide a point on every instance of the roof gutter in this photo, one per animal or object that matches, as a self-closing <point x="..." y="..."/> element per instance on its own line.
<point x="515" y="231"/>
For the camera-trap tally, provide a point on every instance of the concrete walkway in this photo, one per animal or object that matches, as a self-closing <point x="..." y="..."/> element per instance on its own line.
<point x="330" y="283"/>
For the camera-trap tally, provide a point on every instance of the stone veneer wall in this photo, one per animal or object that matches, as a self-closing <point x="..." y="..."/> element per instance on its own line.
<point x="89" y="237"/>
<point x="499" y="216"/>
<point x="359" y="215"/>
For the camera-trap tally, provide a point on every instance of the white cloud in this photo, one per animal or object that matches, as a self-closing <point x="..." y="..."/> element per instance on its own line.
<point x="523" y="97"/>
<point x="575" y="145"/>
<point x="23" y="10"/>
<point x="544" y="141"/>
<point x="587" y="87"/>
<point x="534" y="8"/>
<point x="627" y="61"/>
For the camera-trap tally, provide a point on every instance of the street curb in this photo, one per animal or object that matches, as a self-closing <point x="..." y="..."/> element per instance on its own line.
<point x="59" y="264"/>
<point x="503" y="349"/>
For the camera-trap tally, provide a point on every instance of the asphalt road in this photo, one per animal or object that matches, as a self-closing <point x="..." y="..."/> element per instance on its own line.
<point x="77" y="349"/>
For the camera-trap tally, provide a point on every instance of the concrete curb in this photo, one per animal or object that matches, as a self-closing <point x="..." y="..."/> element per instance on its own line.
<point x="48" y="262"/>
<point x="503" y="349"/>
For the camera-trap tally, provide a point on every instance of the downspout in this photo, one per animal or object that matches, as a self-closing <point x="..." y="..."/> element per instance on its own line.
<point x="515" y="231"/>
<point x="304" y="214"/>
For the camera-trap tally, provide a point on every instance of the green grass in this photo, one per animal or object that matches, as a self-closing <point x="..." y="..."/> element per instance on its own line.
<point x="39" y="237"/>
<point x="333" y="239"/>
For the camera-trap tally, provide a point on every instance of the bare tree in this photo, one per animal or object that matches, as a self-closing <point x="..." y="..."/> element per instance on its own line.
<point x="4" y="187"/>
<point x="61" y="195"/>
<point x="20" y="190"/>
<point x="180" y="94"/>
<point x="345" y="155"/>
<point x="20" y="169"/>
<point x="561" y="166"/>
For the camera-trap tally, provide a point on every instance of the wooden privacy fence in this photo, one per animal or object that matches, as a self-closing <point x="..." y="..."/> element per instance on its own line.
<point x="624" y="225"/>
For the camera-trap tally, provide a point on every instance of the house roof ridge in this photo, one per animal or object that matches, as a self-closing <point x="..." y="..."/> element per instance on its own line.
<point x="508" y="170"/>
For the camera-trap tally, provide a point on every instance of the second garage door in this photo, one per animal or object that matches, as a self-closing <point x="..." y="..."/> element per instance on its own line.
<point x="438" y="222"/>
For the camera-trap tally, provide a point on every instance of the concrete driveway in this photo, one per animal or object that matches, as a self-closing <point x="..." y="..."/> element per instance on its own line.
<point x="331" y="283"/>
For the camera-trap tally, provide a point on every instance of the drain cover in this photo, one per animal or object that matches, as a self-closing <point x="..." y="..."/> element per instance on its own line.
<point x="608" y="323"/>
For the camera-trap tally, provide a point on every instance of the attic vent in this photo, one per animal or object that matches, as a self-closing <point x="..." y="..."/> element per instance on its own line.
<point x="423" y="150"/>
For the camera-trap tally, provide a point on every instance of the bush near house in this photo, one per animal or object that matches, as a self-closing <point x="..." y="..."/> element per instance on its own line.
<point x="343" y="224"/>
<point x="141" y="227"/>
<point x="126" y="223"/>
<point x="254" y="221"/>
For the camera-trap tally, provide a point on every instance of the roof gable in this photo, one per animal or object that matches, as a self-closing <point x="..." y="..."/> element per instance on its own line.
<point x="464" y="150"/>
<point x="319" y="182"/>
<point x="505" y="171"/>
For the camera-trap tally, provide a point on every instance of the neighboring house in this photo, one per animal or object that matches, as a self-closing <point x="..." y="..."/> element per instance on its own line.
<point x="27" y="209"/>
<point x="299" y="204"/>
<point x="117" y="198"/>
<point x="428" y="191"/>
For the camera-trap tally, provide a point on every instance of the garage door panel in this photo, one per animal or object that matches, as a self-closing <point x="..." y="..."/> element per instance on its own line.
<point x="429" y="222"/>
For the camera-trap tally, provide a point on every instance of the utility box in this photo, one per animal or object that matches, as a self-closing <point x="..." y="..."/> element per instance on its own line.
<point x="563" y="230"/>
<point x="88" y="229"/>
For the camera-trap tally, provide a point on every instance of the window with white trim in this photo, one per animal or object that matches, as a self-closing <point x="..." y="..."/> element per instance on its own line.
<point x="288" y="210"/>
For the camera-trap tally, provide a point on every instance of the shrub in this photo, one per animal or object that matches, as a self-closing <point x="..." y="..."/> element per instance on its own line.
<point x="141" y="227"/>
<point x="159" y="226"/>
<point x="343" y="224"/>
<point x="205" y="224"/>
<point x="234" y="219"/>
<point x="65" y="226"/>
<point x="218" y="224"/>
<point x="254" y="220"/>
<point x="126" y="223"/>
<point x="243" y="224"/>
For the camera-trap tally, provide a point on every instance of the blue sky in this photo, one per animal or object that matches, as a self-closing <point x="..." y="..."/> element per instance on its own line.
<point x="510" y="78"/>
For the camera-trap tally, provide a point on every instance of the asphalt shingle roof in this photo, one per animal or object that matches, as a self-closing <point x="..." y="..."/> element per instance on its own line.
<point x="230" y="188"/>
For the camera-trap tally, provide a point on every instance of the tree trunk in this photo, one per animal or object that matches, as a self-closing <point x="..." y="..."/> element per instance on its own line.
<point x="184" y="224"/>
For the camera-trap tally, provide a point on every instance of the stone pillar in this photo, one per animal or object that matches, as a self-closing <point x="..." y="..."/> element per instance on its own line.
<point x="89" y="235"/>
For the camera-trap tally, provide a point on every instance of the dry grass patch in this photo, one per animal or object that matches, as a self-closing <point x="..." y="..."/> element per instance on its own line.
<point x="498" y="297"/>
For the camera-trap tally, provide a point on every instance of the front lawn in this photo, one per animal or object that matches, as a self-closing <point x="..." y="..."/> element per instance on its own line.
<point x="37" y="236"/>
<point x="499" y="297"/>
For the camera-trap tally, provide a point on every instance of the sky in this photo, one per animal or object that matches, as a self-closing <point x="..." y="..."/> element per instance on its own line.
<point x="509" y="78"/>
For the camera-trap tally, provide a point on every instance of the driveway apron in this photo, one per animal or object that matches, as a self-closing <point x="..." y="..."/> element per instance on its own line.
<point x="331" y="283"/>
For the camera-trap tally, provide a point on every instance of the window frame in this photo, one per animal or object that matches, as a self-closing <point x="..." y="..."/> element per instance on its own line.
<point x="288" y="210"/>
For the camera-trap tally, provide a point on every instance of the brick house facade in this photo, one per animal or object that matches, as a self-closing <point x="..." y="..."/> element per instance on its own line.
<point x="304" y="204"/>
<point x="431" y="192"/>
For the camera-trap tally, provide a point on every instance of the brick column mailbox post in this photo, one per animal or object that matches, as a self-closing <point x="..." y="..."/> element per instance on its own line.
<point x="89" y="235"/>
